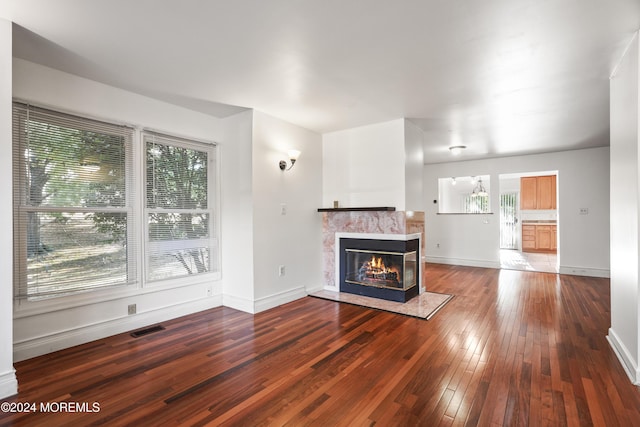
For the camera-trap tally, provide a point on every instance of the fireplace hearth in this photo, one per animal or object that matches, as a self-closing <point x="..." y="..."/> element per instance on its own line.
<point x="379" y="268"/>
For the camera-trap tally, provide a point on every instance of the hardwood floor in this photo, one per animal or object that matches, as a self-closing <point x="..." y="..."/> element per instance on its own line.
<point x="512" y="348"/>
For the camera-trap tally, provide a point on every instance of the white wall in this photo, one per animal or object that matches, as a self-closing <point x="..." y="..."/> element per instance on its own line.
<point x="237" y="211"/>
<point x="414" y="163"/>
<point x="255" y="238"/>
<point x="292" y="240"/>
<point x="61" y="322"/>
<point x="583" y="181"/>
<point x="8" y="384"/>
<point x="625" y="214"/>
<point x="365" y="166"/>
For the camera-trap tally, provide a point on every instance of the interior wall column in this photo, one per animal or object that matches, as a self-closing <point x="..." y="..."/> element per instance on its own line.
<point x="8" y="382"/>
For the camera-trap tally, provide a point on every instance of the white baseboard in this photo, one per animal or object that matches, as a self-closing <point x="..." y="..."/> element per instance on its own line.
<point x="319" y="288"/>
<point x="626" y="360"/>
<point x="464" y="262"/>
<point x="275" y="300"/>
<point x="584" y="271"/>
<point x="576" y="271"/>
<point x="64" y="339"/>
<point x="8" y="384"/>
<point x="238" y="303"/>
<point x="59" y="340"/>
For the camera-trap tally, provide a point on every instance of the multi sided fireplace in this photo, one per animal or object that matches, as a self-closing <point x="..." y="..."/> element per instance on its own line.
<point x="386" y="269"/>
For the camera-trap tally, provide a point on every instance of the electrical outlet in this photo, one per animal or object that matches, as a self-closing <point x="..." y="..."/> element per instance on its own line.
<point x="438" y="245"/>
<point x="584" y="211"/>
<point x="283" y="209"/>
<point x="281" y="271"/>
<point x="131" y="308"/>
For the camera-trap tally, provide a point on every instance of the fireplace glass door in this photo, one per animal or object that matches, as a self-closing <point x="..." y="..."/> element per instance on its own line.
<point x="393" y="270"/>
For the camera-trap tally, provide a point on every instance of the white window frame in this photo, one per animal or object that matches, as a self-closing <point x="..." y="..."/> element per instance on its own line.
<point x="212" y="210"/>
<point x="22" y="208"/>
<point x="137" y="231"/>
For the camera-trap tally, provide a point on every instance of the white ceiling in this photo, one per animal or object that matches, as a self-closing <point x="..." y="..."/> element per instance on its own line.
<point x="502" y="77"/>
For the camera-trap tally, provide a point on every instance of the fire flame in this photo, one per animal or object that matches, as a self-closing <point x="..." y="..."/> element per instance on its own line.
<point x="377" y="264"/>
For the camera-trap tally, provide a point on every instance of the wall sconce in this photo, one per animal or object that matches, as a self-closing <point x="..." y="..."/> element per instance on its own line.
<point x="293" y="156"/>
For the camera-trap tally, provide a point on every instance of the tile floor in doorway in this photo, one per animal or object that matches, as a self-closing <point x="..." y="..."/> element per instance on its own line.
<point x="529" y="261"/>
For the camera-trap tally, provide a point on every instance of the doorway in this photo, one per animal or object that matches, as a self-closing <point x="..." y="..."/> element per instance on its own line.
<point x="509" y="220"/>
<point x="525" y="230"/>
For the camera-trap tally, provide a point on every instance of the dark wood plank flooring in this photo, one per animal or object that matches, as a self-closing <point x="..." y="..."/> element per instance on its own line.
<point x="512" y="348"/>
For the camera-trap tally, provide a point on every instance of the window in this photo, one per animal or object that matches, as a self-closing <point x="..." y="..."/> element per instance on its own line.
<point x="82" y="210"/>
<point x="464" y="195"/>
<point x="474" y="203"/>
<point x="72" y="203"/>
<point x="179" y="207"/>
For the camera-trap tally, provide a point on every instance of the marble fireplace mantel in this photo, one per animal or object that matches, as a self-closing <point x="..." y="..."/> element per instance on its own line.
<point x="373" y="223"/>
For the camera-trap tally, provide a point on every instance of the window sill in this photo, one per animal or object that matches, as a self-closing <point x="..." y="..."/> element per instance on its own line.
<point x="25" y="308"/>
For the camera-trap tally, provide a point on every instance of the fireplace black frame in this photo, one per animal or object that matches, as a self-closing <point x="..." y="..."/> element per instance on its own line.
<point x="389" y="294"/>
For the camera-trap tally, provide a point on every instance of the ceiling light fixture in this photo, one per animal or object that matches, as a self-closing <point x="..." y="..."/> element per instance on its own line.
<point x="479" y="190"/>
<point x="293" y="156"/>
<point x="457" y="149"/>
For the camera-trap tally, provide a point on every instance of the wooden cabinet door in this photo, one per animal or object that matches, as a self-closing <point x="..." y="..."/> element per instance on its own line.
<point x="528" y="192"/>
<point x="543" y="237"/>
<point x="528" y="237"/>
<point x="553" y="192"/>
<point x="545" y="192"/>
<point x="554" y="238"/>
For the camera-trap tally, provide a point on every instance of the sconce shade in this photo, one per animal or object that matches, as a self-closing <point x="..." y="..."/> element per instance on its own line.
<point x="293" y="156"/>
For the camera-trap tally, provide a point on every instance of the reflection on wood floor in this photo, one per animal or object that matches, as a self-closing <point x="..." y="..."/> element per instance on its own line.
<point x="513" y="348"/>
<point x="512" y="259"/>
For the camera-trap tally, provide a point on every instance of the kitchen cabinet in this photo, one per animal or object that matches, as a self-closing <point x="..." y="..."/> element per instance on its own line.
<point x="543" y="237"/>
<point x="528" y="192"/>
<point x="528" y="237"/>
<point x="538" y="192"/>
<point x="539" y="237"/>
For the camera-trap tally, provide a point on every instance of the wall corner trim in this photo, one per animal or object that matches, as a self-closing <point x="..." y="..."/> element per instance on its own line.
<point x="280" y="298"/>
<point x="626" y="360"/>
<point x="238" y="303"/>
<point x="8" y="384"/>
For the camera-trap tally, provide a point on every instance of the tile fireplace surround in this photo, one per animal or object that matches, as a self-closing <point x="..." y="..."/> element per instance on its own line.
<point x="368" y="222"/>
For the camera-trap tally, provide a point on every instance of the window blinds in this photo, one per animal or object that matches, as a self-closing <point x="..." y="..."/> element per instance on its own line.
<point x="73" y="193"/>
<point x="179" y="201"/>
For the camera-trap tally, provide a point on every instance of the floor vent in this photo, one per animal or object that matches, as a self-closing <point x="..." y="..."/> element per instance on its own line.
<point x="147" y="331"/>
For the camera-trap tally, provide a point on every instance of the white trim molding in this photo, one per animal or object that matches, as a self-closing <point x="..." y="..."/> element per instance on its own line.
<point x="626" y="359"/>
<point x="8" y="384"/>
<point x="238" y="303"/>
<point x="585" y="271"/>
<point x="463" y="262"/>
<point x="262" y="304"/>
